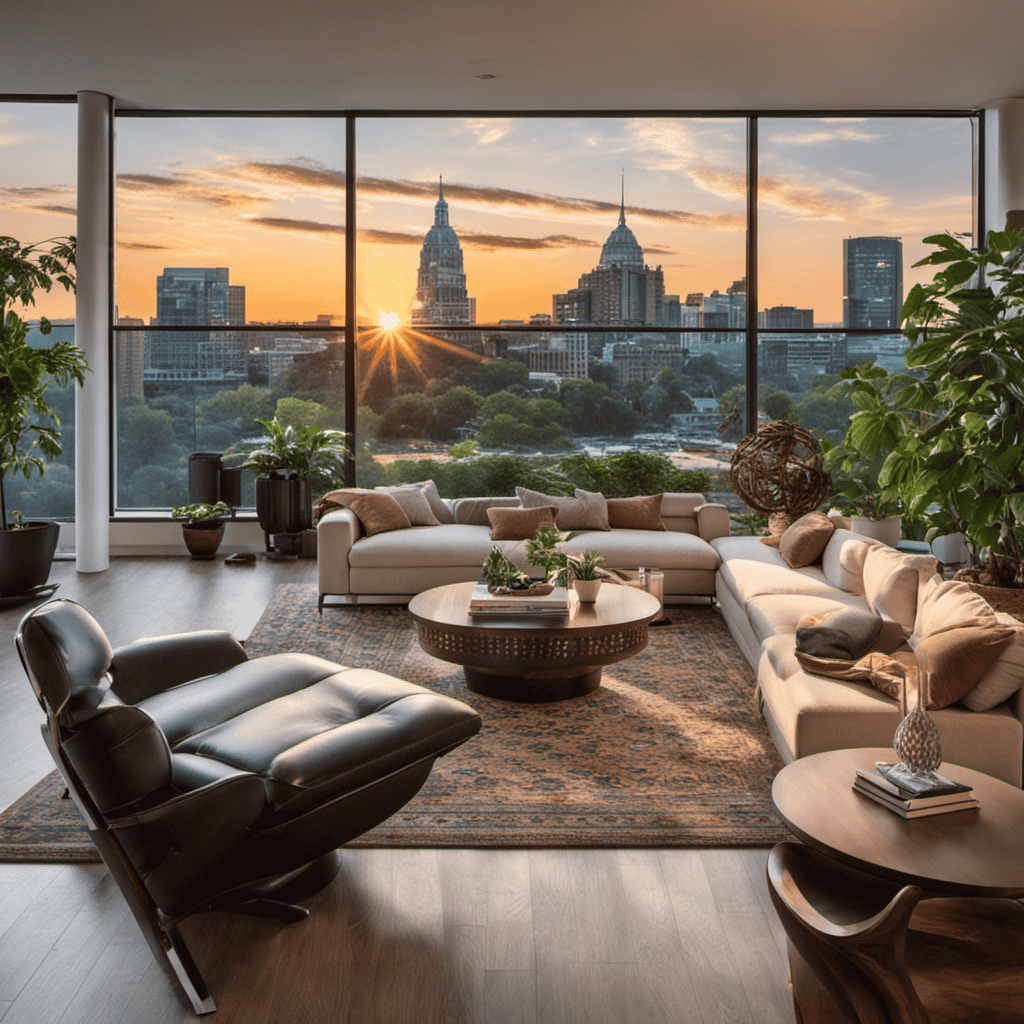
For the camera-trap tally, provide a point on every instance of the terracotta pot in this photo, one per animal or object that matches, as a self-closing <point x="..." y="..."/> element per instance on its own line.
<point x="202" y="541"/>
<point x="888" y="530"/>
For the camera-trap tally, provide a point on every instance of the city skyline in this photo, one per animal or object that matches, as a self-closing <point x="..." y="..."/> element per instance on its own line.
<point x="531" y="199"/>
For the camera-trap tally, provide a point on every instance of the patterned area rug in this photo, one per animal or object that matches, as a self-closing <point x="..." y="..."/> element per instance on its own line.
<point x="668" y="752"/>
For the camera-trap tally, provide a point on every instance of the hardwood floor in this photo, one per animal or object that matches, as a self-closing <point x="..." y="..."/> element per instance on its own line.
<point x="578" y="936"/>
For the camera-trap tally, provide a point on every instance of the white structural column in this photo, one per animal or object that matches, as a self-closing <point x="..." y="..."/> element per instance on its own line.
<point x="92" y="332"/>
<point x="1011" y="162"/>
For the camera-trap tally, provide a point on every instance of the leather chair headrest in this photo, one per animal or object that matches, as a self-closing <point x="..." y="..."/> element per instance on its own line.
<point x="66" y="655"/>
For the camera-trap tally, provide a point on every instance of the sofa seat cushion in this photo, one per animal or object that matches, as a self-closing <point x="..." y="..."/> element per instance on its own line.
<point x="448" y="544"/>
<point x="631" y="549"/>
<point x="808" y="714"/>
<point x="750" y="569"/>
<point x="778" y="614"/>
<point x="328" y="739"/>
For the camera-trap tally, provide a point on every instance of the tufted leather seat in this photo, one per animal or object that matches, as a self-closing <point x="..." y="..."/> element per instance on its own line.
<point x="207" y="779"/>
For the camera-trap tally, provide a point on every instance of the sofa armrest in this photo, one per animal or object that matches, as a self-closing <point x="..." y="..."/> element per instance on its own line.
<point x="154" y="664"/>
<point x="713" y="521"/>
<point x="336" y="532"/>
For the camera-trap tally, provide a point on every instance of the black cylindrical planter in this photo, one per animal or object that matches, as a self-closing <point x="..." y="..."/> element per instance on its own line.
<point x="204" y="478"/>
<point x="284" y="505"/>
<point x="231" y="486"/>
<point x="26" y="556"/>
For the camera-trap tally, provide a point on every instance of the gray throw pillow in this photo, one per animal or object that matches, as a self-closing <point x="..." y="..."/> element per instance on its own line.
<point x="847" y="633"/>
<point x="585" y="511"/>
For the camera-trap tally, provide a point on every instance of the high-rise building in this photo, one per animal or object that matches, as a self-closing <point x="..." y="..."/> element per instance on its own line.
<point x="131" y="355"/>
<point x="187" y="296"/>
<point x="621" y="290"/>
<point x="441" y="295"/>
<point x="872" y="282"/>
<point x="786" y="318"/>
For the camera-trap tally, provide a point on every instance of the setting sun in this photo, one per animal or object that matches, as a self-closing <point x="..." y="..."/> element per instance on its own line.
<point x="388" y="321"/>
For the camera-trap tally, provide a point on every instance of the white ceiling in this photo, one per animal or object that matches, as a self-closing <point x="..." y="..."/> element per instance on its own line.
<point x="545" y="54"/>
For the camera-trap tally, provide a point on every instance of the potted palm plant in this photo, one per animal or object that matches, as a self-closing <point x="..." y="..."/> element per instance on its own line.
<point x="203" y="528"/>
<point x="29" y="428"/>
<point x="290" y="465"/>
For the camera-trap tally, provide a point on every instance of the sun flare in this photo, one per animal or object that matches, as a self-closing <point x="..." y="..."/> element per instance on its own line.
<point x="388" y="321"/>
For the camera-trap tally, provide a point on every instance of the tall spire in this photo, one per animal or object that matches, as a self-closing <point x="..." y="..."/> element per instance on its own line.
<point x="440" y="207"/>
<point x="622" y="207"/>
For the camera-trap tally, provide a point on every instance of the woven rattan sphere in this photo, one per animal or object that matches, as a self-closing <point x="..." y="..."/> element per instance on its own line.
<point x="780" y="469"/>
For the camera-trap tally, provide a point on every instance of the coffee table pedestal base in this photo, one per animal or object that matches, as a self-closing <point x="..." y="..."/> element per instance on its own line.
<point x="532" y="689"/>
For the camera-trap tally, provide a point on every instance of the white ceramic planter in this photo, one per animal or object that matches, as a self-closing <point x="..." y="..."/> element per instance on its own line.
<point x="586" y="590"/>
<point x="888" y="530"/>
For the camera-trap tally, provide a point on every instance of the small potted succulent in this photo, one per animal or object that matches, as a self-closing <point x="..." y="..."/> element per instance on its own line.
<point x="203" y="528"/>
<point x="586" y="573"/>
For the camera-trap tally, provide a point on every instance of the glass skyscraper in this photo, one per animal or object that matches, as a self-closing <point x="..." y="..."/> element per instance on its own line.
<point x="872" y="282"/>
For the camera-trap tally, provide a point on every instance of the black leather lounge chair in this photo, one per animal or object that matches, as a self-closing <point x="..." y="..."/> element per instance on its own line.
<point x="209" y="781"/>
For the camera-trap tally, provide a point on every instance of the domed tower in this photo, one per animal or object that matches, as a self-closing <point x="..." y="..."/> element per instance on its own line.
<point x="622" y="249"/>
<point x="441" y="295"/>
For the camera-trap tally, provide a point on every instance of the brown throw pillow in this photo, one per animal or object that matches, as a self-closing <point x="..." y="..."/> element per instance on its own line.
<point x="519" y="523"/>
<point x="636" y="513"/>
<point x="957" y="658"/>
<point x="414" y="503"/>
<point x="804" y="540"/>
<point x="378" y="512"/>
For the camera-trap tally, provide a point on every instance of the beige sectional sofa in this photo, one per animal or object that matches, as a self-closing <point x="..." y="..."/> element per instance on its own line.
<point x="392" y="567"/>
<point x="762" y="599"/>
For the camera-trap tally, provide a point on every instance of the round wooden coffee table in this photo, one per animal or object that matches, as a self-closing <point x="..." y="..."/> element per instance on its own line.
<point x="531" y="659"/>
<point x="975" y="852"/>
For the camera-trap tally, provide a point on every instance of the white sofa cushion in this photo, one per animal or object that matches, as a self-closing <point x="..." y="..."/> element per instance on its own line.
<point x="750" y="569"/>
<point x="842" y="561"/>
<point x="891" y="581"/>
<point x="655" y="549"/>
<point x="778" y="614"/>
<point x="448" y="544"/>
<point x="809" y="714"/>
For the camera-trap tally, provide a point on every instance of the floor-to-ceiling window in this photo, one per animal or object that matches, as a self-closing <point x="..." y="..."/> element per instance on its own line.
<point x="230" y="289"/>
<point x="501" y="307"/>
<point x="543" y="286"/>
<point x="843" y="206"/>
<point x="38" y="202"/>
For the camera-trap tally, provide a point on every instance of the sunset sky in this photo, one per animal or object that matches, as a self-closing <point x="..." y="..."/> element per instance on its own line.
<point x="531" y="199"/>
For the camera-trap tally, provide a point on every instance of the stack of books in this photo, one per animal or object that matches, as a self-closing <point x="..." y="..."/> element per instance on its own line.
<point x="913" y="796"/>
<point x="484" y="603"/>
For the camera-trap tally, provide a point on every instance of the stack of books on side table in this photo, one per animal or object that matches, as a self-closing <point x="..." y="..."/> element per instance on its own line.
<point x="910" y="795"/>
<point x="484" y="603"/>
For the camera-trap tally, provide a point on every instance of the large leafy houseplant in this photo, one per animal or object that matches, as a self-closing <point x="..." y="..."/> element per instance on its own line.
<point x="965" y="380"/>
<point x="29" y="428"/>
<point x="875" y="430"/>
<point x="312" y="453"/>
<point x="291" y="464"/>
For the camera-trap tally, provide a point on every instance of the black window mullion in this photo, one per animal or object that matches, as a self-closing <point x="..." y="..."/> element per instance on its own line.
<point x="751" y="268"/>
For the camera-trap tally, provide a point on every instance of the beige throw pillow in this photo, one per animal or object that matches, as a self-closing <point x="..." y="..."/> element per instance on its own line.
<point x="891" y="582"/>
<point x="636" y="513"/>
<point x="805" y="540"/>
<point x="1005" y="677"/>
<point x="441" y="511"/>
<point x="519" y="523"/>
<point x="378" y="513"/>
<point x="414" y="503"/>
<point x="585" y="511"/>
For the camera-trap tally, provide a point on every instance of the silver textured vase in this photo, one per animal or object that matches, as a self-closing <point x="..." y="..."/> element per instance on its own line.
<point x="917" y="742"/>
